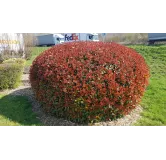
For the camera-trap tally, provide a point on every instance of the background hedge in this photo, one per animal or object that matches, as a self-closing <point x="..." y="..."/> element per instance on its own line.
<point x="10" y="73"/>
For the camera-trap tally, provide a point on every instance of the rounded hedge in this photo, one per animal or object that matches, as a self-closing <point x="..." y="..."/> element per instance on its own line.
<point x="89" y="81"/>
<point x="11" y="71"/>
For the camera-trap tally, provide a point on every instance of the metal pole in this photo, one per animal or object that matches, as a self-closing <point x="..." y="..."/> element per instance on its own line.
<point x="103" y="37"/>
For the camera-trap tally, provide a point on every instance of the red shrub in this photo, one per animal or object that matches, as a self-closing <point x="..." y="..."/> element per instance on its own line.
<point x="89" y="81"/>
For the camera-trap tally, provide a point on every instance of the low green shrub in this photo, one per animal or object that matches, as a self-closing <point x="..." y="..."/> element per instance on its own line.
<point x="15" y="60"/>
<point x="10" y="73"/>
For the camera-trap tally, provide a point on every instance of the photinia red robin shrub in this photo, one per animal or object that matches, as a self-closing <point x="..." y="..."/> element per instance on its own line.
<point x="89" y="81"/>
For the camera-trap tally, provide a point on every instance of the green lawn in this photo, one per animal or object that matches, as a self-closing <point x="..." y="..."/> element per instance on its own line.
<point x="154" y="100"/>
<point x="16" y="111"/>
<point x="35" y="52"/>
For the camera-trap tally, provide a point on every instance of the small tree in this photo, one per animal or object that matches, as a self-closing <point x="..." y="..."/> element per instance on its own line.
<point x="29" y="41"/>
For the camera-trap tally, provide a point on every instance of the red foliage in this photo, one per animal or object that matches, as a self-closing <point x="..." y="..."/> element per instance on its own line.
<point x="89" y="81"/>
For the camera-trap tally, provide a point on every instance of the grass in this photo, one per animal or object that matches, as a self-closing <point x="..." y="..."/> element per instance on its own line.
<point x="154" y="100"/>
<point x="35" y="52"/>
<point x="16" y="111"/>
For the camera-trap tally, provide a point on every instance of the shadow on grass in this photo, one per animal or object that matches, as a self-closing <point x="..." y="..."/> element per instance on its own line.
<point x="17" y="110"/>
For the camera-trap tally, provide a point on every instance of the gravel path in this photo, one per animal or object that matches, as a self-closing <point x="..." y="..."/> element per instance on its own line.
<point x="48" y="120"/>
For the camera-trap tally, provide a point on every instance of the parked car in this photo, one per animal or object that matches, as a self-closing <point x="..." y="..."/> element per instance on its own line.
<point x="156" y="37"/>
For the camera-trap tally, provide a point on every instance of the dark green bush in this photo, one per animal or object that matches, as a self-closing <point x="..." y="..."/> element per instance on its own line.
<point x="10" y="73"/>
